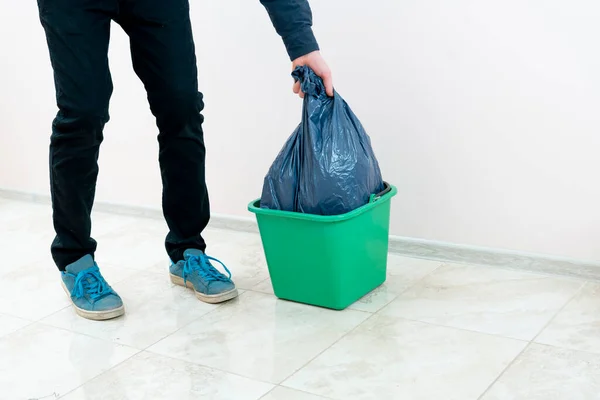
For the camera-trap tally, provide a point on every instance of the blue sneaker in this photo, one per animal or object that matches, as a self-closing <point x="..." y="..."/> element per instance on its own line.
<point x="91" y="296"/>
<point x="196" y="272"/>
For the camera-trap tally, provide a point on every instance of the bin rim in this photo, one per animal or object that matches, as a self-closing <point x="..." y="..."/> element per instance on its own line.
<point x="254" y="207"/>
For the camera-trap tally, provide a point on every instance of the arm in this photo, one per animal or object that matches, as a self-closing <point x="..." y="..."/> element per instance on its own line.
<point x="293" y="21"/>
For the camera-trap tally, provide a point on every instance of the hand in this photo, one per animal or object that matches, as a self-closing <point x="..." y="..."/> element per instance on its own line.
<point x="316" y="62"/>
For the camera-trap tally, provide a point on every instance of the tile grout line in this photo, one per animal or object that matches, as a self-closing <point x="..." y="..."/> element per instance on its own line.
<point x="532" y="274"/>
<point x="5" y="314"/>
<point x="84" y="334"/>
<point x="372" y="314"/>
<point x="145" y="349"/>
<point x="415" y="283"/>
<point x="297" y="390"/>
<point x="209" y="367"/>
<point x="268" y="393"/>
<point x="494" y="335"/>
<point x="41" y="320"/>
<point x="571" y="299"/>
<point x="501" y="374"/>
<point x="237" y="374"/>
<point x="508" y="268"/>
<point x="139" y="350"/>
<point x="18" y="329"/>
<point x="324" y="350"/>
<point x="261" y="282"/>
<point x="31" y="321"/>
<point x="100" y="374"/>
<point x="532" y="341"/>
<point x="218" y="307"/>
<point x="441" y="264"/>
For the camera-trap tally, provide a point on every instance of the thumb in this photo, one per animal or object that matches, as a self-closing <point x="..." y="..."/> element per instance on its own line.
<point x="328" y="82"/>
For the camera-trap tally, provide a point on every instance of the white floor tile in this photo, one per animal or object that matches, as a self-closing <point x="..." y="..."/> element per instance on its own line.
<point x="577" y="326"/>
<point x="508" y="303"/>
<point x="259" y="337"/>
<point x="106" y="224"/>
<point x="33" y="220"/>
<point x="241" y="252"/>
<point x="391" y="358"/>
<point x="549" y="373"/>
<point x="117" y="273"/>
<point x="136" y="245"/>
<point x="152" y="377"/>
<point x="10" y="324"/>
<point x="32" y="292"/>
<point x="27" y="232"/>
<point x="25" y="235"/>
<point x="283" y="393"/>
<point x="20" y="216"/>
<point x="154" y="308"/>
<point x="439" y="331"/>
<point x="265" y="286"/>
<point x="402" y="273"/>
<point x="41" y="361"/>
<point x="22" y="250"/>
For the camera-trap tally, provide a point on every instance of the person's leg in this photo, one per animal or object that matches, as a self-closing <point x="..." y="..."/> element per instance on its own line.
<point x="77" y="33"/>
<point x="164" y="58"/>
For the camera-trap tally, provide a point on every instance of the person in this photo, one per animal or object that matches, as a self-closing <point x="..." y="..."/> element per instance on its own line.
<point x="163" y="55"/>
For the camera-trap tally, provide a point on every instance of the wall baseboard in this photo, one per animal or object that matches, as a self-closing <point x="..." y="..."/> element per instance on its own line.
<point x="467" y="254"/>
<point x="408" y="247"/>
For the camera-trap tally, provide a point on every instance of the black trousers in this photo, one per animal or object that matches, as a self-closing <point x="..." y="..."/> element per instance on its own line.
<point x="163" y="54"/>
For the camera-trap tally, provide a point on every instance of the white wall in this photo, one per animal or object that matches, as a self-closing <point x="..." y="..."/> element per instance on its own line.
<point x="484" y="113"/>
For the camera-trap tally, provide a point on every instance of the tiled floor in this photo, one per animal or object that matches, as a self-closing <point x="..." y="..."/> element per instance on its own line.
<point x="432" y="331"/>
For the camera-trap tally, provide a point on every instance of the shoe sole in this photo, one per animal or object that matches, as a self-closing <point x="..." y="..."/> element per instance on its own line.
<point x="95" y="315"/>
<point x="207" y="298"/>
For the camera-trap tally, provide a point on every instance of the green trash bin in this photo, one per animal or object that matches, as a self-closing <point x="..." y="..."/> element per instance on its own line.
<point x="327" y="261"/>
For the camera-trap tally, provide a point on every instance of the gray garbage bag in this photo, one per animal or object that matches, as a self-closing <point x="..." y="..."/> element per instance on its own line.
<point x="327" y="166"/>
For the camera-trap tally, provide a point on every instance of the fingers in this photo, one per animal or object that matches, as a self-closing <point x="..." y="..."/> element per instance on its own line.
<point x="316" y="62"/>
<point x="328" y="82"/>
<point x="298" y="90"/>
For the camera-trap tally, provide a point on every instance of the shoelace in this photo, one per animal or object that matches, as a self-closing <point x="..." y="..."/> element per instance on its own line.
<point x="205" y="269"/>
<point x="90" y="282"/>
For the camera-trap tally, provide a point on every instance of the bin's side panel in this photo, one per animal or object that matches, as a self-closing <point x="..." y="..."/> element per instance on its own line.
<point x="301" y="260"/>
<point x="361" y="250"/>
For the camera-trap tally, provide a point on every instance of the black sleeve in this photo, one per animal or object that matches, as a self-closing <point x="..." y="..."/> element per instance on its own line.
<point x="293" y="21"/>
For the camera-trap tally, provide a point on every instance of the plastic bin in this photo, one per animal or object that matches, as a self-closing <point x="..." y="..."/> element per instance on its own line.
<point x="327" y="261"/>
